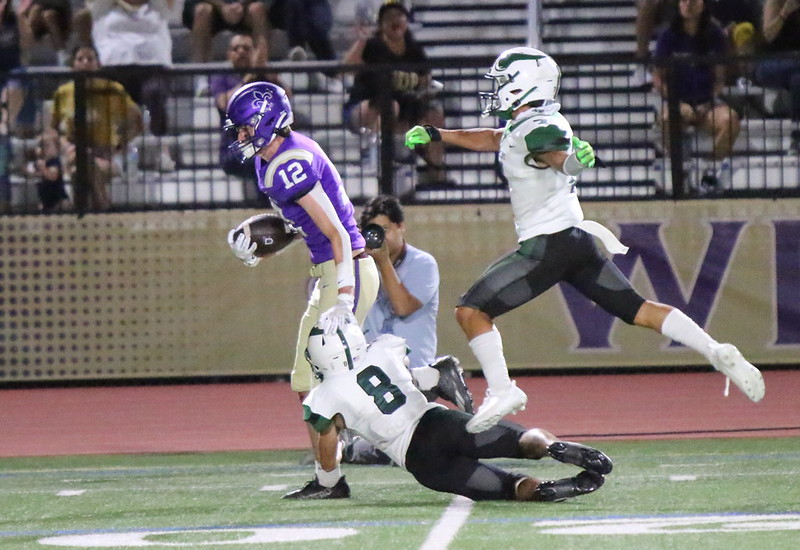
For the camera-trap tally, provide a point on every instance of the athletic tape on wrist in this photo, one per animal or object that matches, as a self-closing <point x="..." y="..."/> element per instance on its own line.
<point x="344" y="275"/>
<point x="572" y="166"/>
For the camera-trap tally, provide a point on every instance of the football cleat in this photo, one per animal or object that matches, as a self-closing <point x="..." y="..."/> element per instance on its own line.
<point x="495" y="406"/>
<point x="562" y="489"/>
<point x="729" y="361"/>
<point x="314" y="490"/>
<point x="452" y="386"/>
<point x="580" y="455"/>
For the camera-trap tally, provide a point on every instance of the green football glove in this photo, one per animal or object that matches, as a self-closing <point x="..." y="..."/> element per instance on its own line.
<point x="583" y="151"/>
<point x="422" y="135"/>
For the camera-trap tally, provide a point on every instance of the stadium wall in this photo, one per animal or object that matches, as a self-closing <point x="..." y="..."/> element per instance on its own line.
<point x="152" y="295"/>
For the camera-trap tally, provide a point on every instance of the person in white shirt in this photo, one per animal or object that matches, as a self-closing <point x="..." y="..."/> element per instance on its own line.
<point x="129" y="34"/>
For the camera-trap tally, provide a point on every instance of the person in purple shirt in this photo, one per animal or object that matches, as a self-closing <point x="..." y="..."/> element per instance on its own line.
<point x="304" y="187"/>
<point x="691" y="34"/>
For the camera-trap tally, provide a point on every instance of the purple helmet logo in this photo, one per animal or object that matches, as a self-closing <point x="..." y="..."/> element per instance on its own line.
<point x="264" y="107"/>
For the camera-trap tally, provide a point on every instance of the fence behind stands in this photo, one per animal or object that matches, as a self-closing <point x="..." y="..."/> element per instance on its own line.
<point x="597" y="97"/>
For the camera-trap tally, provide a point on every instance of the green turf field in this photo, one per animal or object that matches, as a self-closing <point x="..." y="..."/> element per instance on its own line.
<point x="729" y="494"/>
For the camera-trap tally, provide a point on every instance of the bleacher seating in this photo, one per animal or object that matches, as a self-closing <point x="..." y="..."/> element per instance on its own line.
<point x="600" y="101"/>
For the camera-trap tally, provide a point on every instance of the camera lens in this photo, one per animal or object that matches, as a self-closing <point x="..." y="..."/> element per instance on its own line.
<point x="373" y="235"/>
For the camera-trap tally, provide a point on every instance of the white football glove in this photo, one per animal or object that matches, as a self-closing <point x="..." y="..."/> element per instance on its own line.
<point x="338" y="315"/>
<point x="243" y="248"/>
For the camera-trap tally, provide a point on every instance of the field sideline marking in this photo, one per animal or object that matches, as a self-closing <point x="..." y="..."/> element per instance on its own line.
<point x="449" y="524"/>
<point x="731" y="522"/>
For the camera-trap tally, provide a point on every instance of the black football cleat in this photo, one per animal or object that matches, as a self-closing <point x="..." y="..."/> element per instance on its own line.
<point x="562" y="489"/>
<point x="452" y="386"/>
<point x="313" y="490"/>
<point x="581" y="456"/>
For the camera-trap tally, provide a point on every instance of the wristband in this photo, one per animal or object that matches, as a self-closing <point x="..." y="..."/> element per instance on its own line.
<point x="344" y="274"/>
<point x="433" y="132"/>
<point x="572" y="166"/>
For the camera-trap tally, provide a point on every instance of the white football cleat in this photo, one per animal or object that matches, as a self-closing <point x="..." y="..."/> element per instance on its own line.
<point x="495" y="406"/>
<point x="730" y="362"/>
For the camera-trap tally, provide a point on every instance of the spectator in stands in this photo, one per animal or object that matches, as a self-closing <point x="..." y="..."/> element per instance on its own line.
<point x="308" y="25"/>
<point x="412" y="93"/>
<point x="5" y="156"/>
<point x="697" y="86"/>
<point x="206" y="18"/>
<point x="9" y="61"/>
<point x="242" y="56"/>
<point x="650" y="16"/>
<point x="51" y="188"/>
<point x="39" y="18"/>
<point x="739" y="19"/>
<point x="19" y="105"/>
<point x="113" y="120"/>
<point x="781" y="28"/>
<point x="134" y="34"/>
<point x="5" y="165"/>
<point x="10" y="43"/>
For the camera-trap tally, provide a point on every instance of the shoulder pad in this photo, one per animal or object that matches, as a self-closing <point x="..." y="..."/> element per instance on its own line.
<point x="544" y="134"/>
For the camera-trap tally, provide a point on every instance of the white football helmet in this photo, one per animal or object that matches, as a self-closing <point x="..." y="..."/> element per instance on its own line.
<point x="337" y="352"/>
<point x="520" y="75"/>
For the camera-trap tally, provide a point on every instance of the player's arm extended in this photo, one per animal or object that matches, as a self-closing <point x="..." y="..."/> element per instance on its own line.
<point x="475" y="139"/>
<point x="321" y="210"/>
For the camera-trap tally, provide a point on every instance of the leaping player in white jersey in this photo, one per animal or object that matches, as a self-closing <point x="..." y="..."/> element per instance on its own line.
<point x="542" y="159"/>
<point x="368" y="389"/>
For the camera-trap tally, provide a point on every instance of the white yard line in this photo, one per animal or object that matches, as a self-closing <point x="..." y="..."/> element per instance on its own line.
<point x="448" y="525"/>
<point x="70" y="493"/>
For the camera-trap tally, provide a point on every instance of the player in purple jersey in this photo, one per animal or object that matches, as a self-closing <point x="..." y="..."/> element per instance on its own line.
<point x="305" y="188"/>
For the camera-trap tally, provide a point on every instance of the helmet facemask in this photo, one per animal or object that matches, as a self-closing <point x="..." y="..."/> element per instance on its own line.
<point x="490" y="101"/>
<point x="261" y="106"/>
<point x="249" y="147"/>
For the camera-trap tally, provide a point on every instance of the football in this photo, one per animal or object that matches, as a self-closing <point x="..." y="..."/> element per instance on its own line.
<point x="270" y="233"/>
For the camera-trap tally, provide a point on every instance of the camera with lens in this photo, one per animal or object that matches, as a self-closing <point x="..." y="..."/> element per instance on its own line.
<point x="373" y="235"/>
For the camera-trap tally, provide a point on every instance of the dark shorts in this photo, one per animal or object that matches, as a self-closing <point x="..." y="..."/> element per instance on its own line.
<point x="411" y="111"/>
<point x="444" y="457"/>
<point x="218" y="24"/>
<point x="539" y="263"/>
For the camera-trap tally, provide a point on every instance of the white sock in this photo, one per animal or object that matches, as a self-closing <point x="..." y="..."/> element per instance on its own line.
<point x="327" y="479"/>
<point x="488" y="350"/>
<point x="678" y="326"/>
<point x="426" y="378"/>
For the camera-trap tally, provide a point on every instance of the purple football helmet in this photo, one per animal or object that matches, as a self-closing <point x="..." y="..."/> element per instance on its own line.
<point x="262" y="105"/>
